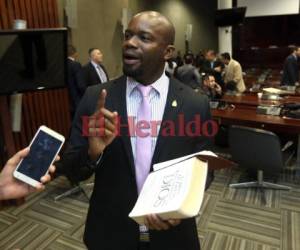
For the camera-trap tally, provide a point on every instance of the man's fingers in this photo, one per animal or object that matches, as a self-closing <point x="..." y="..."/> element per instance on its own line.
<point x="150" y="223"/>
<point x="109" y="125"/>
<point x="39" y="187"/>
<point x="57" y="158"/>
<point x="106" y="121"/>
<point x="99" y="119"/>
<point x="100" y="132"/>
<point x="101" y="101"/>
<point x="46" y="178"/>
<point x="174" y="222"/>
<point x="18" y="157"/>
<point x="108" y="114"/>
<point x="52" y="169"/>
<point x="157" y="223"/>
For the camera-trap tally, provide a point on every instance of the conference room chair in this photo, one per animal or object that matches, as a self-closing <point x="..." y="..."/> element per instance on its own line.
<point x="256" y="150"/>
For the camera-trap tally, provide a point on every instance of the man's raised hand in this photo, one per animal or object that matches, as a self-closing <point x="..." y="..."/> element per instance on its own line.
<point x="102" y="127"/>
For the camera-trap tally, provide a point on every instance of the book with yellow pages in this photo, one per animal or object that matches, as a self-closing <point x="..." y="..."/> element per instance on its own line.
<point x="175" y="190"/>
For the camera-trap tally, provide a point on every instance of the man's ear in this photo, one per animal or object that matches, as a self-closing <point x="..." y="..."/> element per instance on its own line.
<point x="169" y="52"/>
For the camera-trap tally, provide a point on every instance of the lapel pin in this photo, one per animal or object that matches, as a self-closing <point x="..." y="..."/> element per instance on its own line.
<point x="174" y="103"/>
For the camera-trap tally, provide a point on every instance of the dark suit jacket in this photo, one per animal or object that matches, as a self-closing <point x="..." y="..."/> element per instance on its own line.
<point x="189" y="75"/>
<point x="76" y="87"/>
<point x="90" y="75"/>
<point x="206" y="68"/>
<point x="115" y="192"/>
<point x="290" y="71"/>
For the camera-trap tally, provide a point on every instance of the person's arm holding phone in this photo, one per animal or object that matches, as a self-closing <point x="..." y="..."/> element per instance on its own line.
<point x="44" y="148"/>
<point x="10" y="187"/>
<point x="218" y="88"/>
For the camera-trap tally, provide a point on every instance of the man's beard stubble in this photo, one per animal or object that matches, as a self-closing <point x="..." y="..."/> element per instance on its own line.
<point x="134" y="73"/>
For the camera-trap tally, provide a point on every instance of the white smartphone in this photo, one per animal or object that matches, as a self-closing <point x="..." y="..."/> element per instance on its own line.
<point x="44" y="148"/>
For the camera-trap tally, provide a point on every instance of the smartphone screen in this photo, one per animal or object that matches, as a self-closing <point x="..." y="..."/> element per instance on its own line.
<point x="42" y="151"/>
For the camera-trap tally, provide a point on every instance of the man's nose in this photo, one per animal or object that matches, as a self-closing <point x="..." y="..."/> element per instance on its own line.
<point x="131" y="42"/>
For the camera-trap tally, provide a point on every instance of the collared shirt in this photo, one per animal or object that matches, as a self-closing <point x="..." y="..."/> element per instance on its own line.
<point x="296" y="58"/>
<point x="100" y="72"/>
<point x="157" y="98"/>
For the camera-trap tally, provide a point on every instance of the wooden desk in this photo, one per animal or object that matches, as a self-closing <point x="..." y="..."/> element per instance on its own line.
<point x="253" y="100"/>
<point x="247" y="116"/>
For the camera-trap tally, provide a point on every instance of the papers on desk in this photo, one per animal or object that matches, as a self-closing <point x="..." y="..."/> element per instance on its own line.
<point x="277" y="91"/>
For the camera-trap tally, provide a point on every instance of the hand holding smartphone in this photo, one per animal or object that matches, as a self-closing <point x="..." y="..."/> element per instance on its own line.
<point x="44" y="148"/>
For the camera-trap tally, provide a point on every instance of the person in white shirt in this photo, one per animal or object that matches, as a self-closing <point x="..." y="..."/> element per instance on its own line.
<point x="170" y="67"/>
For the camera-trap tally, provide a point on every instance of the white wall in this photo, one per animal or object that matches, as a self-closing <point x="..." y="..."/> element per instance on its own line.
<point x="225" y="33"/>
<point x="269" y="7"/>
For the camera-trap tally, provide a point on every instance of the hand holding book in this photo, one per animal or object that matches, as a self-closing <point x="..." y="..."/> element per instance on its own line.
<point x="175" y="190"/>
<point x="154" y="222"/>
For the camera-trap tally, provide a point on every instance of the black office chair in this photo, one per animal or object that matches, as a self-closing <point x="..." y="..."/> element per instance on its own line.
<point x="259" y="150"/>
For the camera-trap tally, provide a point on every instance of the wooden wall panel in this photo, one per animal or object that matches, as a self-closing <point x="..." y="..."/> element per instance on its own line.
<point x="17" y="9"/>
<point x="23" y="9"/>
<point x="48" y="107"/>
<point x="254" y="41"/>
<point x="4" y="15"/>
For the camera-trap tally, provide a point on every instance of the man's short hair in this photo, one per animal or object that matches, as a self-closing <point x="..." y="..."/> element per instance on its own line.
<point x="209" y="50"/>
<point x="293" y="48"/>
<point x="206" y="77"/>
<point x="71" y="50"/>
<point x="226" y="56"/>
<point x="188" y="58"/>
<point x="90" y="51"/>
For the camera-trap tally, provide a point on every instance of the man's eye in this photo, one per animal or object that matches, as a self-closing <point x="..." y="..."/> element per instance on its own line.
<point x="127" y="36"/>
<point x="145" y="38"/>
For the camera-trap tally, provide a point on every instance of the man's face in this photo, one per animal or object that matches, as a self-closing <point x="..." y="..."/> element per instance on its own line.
<point x="298" y="52"/>
<point x="210" y="56"/>
<point x="210" y="82"/>
<point x="144" y="48"/>
<point x="224" y="61"/>
<point x="97" y="56"/>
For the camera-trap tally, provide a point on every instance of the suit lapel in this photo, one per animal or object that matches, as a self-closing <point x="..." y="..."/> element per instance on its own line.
<point x="94" y="72"/>
<point x="118" y="95"/>
<point x="170" y="114"/>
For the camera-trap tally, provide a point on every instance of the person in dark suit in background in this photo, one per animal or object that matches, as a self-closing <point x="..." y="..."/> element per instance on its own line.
<point x="94" y="72"/>
<point x="213" y="66"/>
<point x="210" y="88"/>
<point x="76" y="86"/>
<point x="178" y="59"/>
<point x="188" y="73"/>
<point x="290" y="74"/>
<point x="121" y="156"/>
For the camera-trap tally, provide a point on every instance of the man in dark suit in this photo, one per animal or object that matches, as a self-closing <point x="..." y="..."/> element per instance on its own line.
<point x="213" y="66"/>
<point x="94" y="72"/>
<point x="122" y="154"/>
<point x="76" y="86"/>
<point x="291" y="68"/>
<point x="187" y="73"/>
